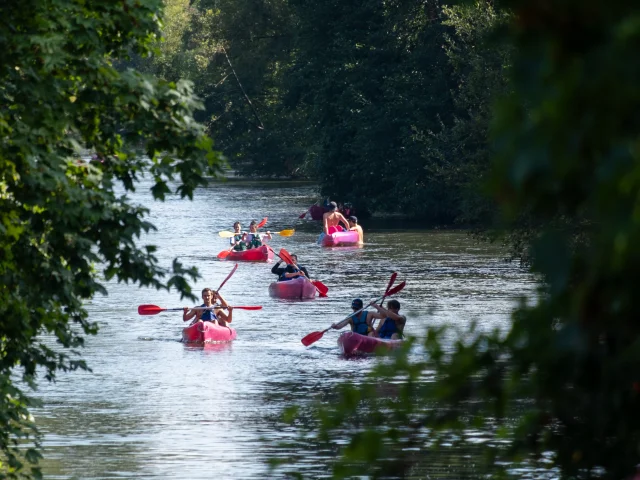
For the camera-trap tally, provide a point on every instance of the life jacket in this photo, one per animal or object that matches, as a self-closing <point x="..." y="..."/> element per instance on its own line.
<point x="360" y="323"/>
<point x="254" y="240"/>
<point x="388" y="328"/>
<point x="207" y="315"/>
<point x="283" y="278"/>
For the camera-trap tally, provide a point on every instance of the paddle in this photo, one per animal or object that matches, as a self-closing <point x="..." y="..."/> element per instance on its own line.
<point x="391" y="280"/>
<point x="315" y="336"/>
<point x="282" y="233"/>
<point x="321" y="287"/>
<point x="305" y="213"/>
<point x="154" y="309"/>
<point x="233" y="270"/>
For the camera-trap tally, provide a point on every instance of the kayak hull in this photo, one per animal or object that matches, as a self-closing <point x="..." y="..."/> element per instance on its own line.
<point x="260" y="254"/>
<point x="207" y="332"/>
<point x="337" y="239"/>
<point x="298" y="288"/>
<point x="352" y="343"/>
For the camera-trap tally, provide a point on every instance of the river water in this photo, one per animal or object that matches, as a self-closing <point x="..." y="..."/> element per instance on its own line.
<point x="153" y="407"/>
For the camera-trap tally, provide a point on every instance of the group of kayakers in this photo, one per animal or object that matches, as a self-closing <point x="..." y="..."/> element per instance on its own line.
<point x="390" y="325"/>
<point x="247" y="240"/>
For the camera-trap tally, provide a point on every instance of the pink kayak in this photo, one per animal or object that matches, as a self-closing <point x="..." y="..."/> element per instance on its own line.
<point x="260" y="254"/>
<point x="351" y="343"/>
<point x="207" y="332"/>
<point x="292" y="289"/>
<point x="336" y="239"/>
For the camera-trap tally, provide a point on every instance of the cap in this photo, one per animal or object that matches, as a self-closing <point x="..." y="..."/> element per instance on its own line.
<point x="353" y="218"/>
<point x="357" y="303"/>
<point x="333" y="205"/>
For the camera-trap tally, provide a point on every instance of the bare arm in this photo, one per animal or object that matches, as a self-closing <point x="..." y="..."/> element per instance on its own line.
<point x="225" y="317"/>
<point x="344" y="221"/>
<point x="188" y="314"/>
<point x="325" y="224"/>
<point x="341" y="324"/>
<point x="388" y="313"/>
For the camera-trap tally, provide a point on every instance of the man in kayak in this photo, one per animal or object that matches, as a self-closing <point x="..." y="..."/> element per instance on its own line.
<point x="361" y="321"/>
<point x="253" y="239"/>
<point x="331" y="220"/>
<point x="392" y="324"/>
<point x="353" y="225"/>
<point x="237" y="241"/>
<point x="291" y="271"/>
<point x="215" y="315"/>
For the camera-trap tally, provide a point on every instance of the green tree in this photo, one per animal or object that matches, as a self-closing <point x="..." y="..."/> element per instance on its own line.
<point x="561" y="388"/>
<point x="65" y="223"/>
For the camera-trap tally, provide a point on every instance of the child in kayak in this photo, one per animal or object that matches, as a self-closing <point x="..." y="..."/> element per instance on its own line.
<point x="361" y="321"/>
<point x="290" y="271"/>
<point x="392" y="325"/>
<point x="353" y="225"/>
<point x="238" y="240"/>
<point x="253" y="239"/>
<point x="215" y="315"/>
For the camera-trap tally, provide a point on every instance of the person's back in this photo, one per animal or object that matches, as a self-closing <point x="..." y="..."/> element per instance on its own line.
<point x="332" y="219"/>
<point x="392" y="326"/>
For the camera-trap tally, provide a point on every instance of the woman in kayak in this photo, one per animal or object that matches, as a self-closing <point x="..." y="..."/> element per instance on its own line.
<point x="361" y="321"/>
<point x="290" y="271"/>
<point x="237" y="241"/>
<point x="215" y="315"/>
<point x="392" y="325"/>
<point x="353" y="225"/>
<point x="253" y="239"/>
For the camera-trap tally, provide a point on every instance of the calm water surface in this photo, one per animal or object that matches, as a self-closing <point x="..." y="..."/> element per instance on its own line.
<point x="155" y="408"/>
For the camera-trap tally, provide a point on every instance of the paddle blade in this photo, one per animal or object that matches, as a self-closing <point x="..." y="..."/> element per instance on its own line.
<point x="224" y="254"/>
<point x="396" y="289"/>
<point x="284" y="255"/>
<point x="322" y="288"/>
<point x="303" y="215"/>
<point x="149" y="309"/>
<point x="286" y="233"/>
<point x="262" y="223"/>
<point x="252" y="307"/>
<point x="312" y="338"/>
<point x="226" y="234"/>
<point x="391" y="280"/>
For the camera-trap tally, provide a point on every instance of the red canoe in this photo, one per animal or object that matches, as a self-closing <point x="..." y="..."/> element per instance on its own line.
<point x="207" y="332"/>
<point x="292" y="289"/>
<point x="340" y="238"/>
<point x="351" y="343"/>
<point x="260" y="254"/>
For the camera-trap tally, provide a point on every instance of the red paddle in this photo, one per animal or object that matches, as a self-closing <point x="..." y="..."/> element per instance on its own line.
<point x="321" y="287"/>
<point x="233" y="270"/>
<point x="154" y="309"/>
<point x="391" y="280"/>
<point x="315" y="336"/>
<point x="303" y="215"/>
<point x="262" y="223"/>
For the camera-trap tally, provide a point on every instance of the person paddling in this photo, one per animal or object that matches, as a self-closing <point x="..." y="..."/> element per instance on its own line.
<point x="253" y="239"/>
<point x="332" y="219"/>
<point x="215" y="315"/>
<point x="291" y="271"/>
<point x="237" y="241"/>
<point x="361" y="322"/>
<point x="353" y="225"/>
<point x="392" y="325"/>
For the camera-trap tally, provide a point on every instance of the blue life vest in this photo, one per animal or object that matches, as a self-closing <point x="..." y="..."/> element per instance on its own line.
<point x="207" y="315"/>
<point x="360" y="323"/>
<point x="388" y="328"/>
<point x="283" y="278"/>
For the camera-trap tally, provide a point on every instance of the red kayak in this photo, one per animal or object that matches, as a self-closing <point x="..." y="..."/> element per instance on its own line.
<point x="207" y="332"/>
<point x="351" y="343"/>
<point x="336" y="239"/>
<point x="260" y="254"/>
<point x="292" y="289"/>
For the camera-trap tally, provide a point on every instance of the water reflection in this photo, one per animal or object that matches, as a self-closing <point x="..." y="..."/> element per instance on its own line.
<point x="157" y="408"/>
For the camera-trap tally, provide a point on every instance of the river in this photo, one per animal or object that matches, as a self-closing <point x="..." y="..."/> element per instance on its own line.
<point x="153" y="407"/>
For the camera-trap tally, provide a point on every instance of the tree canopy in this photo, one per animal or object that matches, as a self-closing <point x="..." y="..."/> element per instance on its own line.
<point x="66" y="222"/>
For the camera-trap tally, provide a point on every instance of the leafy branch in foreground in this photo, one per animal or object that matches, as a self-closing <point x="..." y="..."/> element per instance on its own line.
<point x="66" y="223"/>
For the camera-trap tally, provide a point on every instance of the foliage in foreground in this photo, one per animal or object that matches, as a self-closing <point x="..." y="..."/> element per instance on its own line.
<point x="65" y="223"/>
<point x="567" y="143"/>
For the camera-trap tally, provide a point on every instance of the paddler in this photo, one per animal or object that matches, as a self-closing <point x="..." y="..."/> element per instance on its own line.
<point x="291" y="271"/>
<point x="361" y="320"/>
<point x="237" y="241"/>
<point x="392" y="324"/>
<point x="353" y="225"/>
<point x="215" y="314"/>
<point x="332" y="219"/>
<point x="253" y="239"/>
